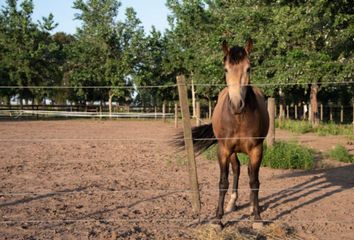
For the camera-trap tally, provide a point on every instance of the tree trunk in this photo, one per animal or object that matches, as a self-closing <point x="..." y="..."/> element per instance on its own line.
<point x="314" y="105"/>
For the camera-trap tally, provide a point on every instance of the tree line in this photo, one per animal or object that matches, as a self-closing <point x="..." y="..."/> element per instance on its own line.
<point x="297" y="42"/>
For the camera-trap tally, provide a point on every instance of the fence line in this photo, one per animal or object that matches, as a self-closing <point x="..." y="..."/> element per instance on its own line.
<point x="88" y="114"/>
<point x="170" y="85"/>
<point x="168" y="140"/>
<point x="89" y="87"/>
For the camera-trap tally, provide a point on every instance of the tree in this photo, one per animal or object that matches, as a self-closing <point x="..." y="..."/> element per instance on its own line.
<point x="28" y="52"/>
<point x="105" y="51"/>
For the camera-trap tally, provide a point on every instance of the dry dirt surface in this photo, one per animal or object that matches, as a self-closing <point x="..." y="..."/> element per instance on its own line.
<point x="88" y="179"/>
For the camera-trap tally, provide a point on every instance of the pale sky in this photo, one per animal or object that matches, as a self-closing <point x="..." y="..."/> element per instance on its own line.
<point x="150" y="12"/>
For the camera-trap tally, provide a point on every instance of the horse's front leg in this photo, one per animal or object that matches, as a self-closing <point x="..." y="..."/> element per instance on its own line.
<point x="255" y="155"/>
<point x="235" y="163"/>
<point x="223" y="157"/>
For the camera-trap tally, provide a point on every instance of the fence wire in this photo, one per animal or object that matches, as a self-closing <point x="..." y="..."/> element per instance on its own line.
<point x="173" y="85"/>
<point x="152" y="115"/>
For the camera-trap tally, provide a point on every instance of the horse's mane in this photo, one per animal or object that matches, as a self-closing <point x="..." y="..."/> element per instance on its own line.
<point x="236" y="55"/>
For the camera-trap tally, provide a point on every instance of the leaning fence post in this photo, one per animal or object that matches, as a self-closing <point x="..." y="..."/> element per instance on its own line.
<point x="271" y="131"/>
<point x="197" y="113"/>
<point x="193" y="177"/>
<point x="176" y="115"/>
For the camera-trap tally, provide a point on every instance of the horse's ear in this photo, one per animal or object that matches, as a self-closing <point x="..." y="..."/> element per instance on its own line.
<point x="225" y="47"/>
<point x="249" y="46"/>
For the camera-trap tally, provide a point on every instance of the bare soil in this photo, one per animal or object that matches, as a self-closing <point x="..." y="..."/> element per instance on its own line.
<point x="87" y="179"/>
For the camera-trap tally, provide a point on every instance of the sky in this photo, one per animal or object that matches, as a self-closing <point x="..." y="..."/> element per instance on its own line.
<point x="150" y="12"/>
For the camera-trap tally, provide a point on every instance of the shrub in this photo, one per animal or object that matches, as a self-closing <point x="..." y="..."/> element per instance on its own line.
<point x="287" y="155"/>
<point x="323" y="129"/>
<point x="340" y="153"/>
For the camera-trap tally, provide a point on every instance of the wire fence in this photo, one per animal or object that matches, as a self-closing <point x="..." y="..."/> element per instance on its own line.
<point x="175" y="85"/>
<point x="19" y="113"/>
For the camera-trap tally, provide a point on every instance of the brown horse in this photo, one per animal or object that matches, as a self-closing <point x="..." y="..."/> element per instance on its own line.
<point x="239" y="125"/>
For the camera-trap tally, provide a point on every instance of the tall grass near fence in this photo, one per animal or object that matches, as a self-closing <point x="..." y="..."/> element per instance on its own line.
<point x="340" y="153"/>
<point x="323" y="129"/>
<point x="283" y="155"/>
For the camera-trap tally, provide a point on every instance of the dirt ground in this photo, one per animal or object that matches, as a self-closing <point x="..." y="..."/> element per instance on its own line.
<point x="87" y="179"/>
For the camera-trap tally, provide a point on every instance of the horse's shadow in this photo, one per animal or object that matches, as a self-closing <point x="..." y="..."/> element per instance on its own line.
<point x="320" y="184"/>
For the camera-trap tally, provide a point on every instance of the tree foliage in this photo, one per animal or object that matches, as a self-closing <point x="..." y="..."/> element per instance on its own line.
<point x="296" y="43"/>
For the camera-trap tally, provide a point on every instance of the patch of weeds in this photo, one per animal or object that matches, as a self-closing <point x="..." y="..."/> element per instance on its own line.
<point x="294" y="126"/>
<point x="333" y="129"/>
<point x="341" y="154"/>
<point x="323" y="129"/>
<point x="288" y="155"/>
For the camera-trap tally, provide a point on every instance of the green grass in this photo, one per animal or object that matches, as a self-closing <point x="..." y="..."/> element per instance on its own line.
<point x="340" y="153"/>
<point x="323" y="129"/>
<point x="284" y="155"/>
<point x="288" y="155"/>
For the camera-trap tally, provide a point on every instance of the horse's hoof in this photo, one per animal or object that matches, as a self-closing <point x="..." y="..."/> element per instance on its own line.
<point x="258" y="226"/>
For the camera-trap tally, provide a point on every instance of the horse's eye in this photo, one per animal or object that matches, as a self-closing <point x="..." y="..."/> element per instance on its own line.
<point x="225" y="70"/>
<point x="249" y="70"/>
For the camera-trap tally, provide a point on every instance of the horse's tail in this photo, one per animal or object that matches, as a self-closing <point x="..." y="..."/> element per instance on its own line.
<point x="203" y="138"/>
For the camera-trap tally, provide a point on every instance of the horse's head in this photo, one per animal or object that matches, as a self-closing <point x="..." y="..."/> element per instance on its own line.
<point x="237" y="70"/>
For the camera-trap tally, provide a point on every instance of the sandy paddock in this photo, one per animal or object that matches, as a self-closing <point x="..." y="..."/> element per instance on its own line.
<point x="91" y="179"/>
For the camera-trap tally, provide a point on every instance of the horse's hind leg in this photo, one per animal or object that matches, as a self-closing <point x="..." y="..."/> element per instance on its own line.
<point x="235" y="163"/>
<point x="223" y="157"/>
<point x="253" y="172"/>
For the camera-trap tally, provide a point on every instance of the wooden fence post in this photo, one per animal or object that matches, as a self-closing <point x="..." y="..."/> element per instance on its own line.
<point x="287" y="112"/>
<point x="271" y="131"/>
<point x="330" y="113"/>
<point x="321" y="112"/>
<point x="197" y="113"/>
<point x="341" y="114"/>
<point x="164" y="111"/>
<point x="295" y="111"/>
<point x="187" y="131"/>
<point x="176" y="115"/>
<point x="155" y="112"/>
